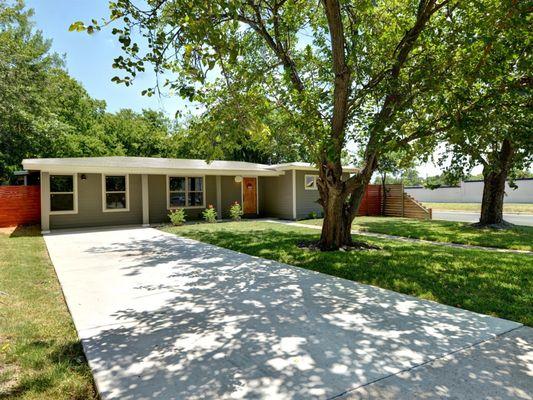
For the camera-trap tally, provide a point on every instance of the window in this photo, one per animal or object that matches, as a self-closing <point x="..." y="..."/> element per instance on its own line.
<point x="310" y="182"/>
<point x="115" y="192"/>
<point x="185" y="192"/>
<point x="63" y="198"/>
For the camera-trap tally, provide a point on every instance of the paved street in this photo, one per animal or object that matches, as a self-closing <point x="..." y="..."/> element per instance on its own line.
<point x="518" y="219"/>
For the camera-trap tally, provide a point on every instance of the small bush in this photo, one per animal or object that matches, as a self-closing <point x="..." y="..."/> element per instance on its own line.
<point x="312" y="215"/>
<point x="235" y="211"/>
<point x="177" y="216"/>
<point x="210" y="214"/>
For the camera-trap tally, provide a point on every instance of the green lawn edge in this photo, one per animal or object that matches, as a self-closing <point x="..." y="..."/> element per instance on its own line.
<point x="41" y="356"/>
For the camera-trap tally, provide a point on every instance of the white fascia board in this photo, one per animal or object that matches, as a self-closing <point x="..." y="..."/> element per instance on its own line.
<point x="153" y="171"/>
<point x="314" y="169"/>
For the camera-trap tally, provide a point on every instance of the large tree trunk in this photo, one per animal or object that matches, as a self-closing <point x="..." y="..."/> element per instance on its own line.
<point x="492" y="203"/>
<point x="335" y="227"/>
<point x="339" y="212"/>
<point x="340" y="200"/>
<point x="494" y="178"/>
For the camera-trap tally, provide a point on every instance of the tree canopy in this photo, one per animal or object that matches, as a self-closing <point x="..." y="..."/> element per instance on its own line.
<point x="46" y="113"/>
<point x="387" y="75"/>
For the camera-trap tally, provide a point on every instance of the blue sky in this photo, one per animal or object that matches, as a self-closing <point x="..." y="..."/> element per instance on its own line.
<point x="89" y="57"/>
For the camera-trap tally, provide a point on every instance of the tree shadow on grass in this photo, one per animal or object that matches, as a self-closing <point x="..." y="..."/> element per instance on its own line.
<point x="195" y="321"/>
<point x="64" y="360"/>
<point x="517" y="237"/>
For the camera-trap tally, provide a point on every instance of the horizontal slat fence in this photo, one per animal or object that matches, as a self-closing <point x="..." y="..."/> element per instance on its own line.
<point x="19" y="205"/>
<point x="371" y="203"/>
<point x="400" y="204"/>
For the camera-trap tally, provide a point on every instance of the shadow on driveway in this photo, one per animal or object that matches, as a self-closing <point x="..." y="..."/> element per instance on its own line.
<point x="170" y="318"/>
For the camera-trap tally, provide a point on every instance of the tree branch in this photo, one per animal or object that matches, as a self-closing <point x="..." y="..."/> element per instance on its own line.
<point x="341" y="81"/>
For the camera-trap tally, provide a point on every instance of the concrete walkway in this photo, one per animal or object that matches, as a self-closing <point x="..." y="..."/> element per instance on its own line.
<point x="405" y="239"/>
<point x="164" y="317"/>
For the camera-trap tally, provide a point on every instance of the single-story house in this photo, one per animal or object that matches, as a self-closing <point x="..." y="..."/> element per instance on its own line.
<point x="100" y="191"/>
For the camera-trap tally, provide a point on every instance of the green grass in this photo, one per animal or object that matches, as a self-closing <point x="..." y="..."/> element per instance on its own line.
<point x="518" y="238"/>
<point x="482" y="281"/>
<point x="40" y="354"/>
<point x="526" y="208"/>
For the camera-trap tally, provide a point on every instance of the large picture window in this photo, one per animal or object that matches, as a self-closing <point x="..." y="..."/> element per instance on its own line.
<point x="63" y="194"/>
<point x="310" y="182"/>
<point x="116" y="196"/>
<point x="185" y="192"/>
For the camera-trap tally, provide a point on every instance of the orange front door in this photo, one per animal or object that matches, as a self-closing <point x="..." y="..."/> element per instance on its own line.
<point x="249" y="187"/>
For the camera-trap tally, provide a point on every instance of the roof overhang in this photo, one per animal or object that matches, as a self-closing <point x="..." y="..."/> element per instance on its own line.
<point x="288" y="167"/>
<point x="63" y="167"/>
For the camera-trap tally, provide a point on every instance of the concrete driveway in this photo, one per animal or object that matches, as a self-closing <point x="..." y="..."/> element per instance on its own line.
<point x="164" y="317"/>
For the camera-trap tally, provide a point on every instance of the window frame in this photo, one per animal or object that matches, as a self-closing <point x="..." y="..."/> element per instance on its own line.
<point x="315" y="185"/>
<point x="186" y="177"/>
<point x="105" y="192"/>
<point x="74" y="193"/>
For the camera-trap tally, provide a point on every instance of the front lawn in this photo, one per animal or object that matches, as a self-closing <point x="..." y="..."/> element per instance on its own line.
<point x="486" y="282"/>
<point x="40" y="354"/>
<point x="518" y="238"/>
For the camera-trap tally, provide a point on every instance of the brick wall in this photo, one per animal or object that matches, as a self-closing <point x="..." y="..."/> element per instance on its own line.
<point x="19" y="205"/>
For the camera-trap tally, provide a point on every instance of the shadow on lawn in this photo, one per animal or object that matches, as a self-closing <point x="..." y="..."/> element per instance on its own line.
<point x="250" y="328"/>
<point x="25" y="231"/>
<point x="67" y="358"/>
<point x="518" y="237"/>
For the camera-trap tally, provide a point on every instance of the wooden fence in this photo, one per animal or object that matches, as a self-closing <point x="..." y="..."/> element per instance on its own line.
<point x="19" y="205"/>
<point x="371" y="203"/>
<point x="400" y="204"/>
<point x="397" y="203"/>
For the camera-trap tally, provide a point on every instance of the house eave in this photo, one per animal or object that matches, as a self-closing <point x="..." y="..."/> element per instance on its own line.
<point x="140" y="170"/>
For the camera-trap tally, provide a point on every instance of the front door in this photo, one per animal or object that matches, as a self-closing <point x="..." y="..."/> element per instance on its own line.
<point x="249" y="196"/>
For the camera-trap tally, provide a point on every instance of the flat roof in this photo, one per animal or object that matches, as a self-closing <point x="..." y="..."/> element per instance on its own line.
<point x="118" y="164"/>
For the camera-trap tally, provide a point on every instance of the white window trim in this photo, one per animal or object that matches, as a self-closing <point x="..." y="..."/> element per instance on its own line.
<point x="74" y="193"/>
<point x="315" y="185"/>
<point x="186" y="191"/>
<point x="104" y="192"/>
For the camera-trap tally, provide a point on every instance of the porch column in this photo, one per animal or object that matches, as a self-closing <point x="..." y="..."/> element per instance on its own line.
<point x="219" y="197"/>
<point x="145" y="200"/>
<point x="294" y="214"/>
<point x="45" y="202"/>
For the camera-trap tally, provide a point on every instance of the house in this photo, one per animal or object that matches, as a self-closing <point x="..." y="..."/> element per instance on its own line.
<point x="100" y="191"/>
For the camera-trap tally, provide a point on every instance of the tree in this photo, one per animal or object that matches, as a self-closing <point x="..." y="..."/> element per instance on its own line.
<point x="144" y="134"/>
<point x="24" y="66"/>
<point x="495" y="131"/>
<point x="369" y="71"/>
<point x="241" y="126"/>
<point x="43" y="111"/>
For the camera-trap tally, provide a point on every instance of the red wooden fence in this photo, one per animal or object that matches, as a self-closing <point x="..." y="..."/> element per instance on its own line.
<point x="19" y="205"/>
<point x="371" y="203"/>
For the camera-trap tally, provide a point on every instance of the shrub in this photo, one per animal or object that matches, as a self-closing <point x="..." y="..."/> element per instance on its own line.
<point x="312" y="215"/>
<point x="177" y="216"/>
<point x="235" y="211"/>
<point x="210" y="214"/>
